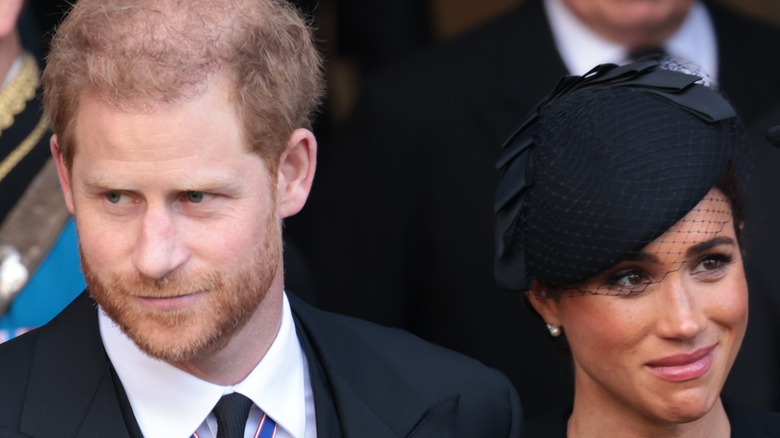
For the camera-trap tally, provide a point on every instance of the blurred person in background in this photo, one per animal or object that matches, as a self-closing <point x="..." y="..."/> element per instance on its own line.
<point x="39" y="263"/>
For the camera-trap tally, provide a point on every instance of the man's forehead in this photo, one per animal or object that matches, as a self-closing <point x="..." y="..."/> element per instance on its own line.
<point x="214" y="100"/>
<point x="197" y="132"/>
<point x="127" y="102"/>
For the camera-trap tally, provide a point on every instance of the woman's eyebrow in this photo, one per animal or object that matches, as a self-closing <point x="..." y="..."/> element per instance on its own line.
<point x="709" y="244"/>
<point x="642" y="256"/>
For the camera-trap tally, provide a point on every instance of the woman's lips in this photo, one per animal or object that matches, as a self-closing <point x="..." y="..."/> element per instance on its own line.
<point x="683" y="367"/>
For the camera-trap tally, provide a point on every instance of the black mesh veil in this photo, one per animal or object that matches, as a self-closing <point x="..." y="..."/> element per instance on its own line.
<point x="609" y="163"/>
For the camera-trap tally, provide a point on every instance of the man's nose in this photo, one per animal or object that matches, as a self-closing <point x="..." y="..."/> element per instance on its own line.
<point x="159" y="250"/>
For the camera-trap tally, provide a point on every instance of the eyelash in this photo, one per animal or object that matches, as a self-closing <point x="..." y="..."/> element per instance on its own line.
<point x="723" y="260"/>
<point x="614" y="280"/>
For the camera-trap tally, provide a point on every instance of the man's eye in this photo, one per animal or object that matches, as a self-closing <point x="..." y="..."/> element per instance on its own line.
<point x="114" y="197"/>
<point x="196" y="197"/>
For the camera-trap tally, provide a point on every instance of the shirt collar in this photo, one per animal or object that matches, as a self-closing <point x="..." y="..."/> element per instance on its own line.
<point x="168" y="402"/>
<point x="582" y="49"/>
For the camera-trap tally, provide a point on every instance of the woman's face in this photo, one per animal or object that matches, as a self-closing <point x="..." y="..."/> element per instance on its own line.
<point x="663" y="345"/>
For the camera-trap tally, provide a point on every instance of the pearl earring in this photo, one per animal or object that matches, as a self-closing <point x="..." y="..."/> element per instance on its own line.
<point x="554" y="331"/>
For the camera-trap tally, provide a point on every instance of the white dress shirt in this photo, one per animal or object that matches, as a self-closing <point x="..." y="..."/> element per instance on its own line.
<point x="582" y="49"/>
<point x="170" y="403"/>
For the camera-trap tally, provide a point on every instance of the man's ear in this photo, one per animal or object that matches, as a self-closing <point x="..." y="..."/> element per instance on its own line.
<point x="545" y="305"/>
<point x="62" y="172"/>
<point x="9" y="15"/>
<point x="296" y="172"/>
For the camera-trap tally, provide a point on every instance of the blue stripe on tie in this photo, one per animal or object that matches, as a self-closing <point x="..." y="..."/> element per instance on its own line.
<point x="268" y="429"/>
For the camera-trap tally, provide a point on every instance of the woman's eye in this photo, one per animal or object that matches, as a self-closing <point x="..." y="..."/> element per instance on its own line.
<point x="713" y="262"/>
<point x="631" y="279"/>
<point x="627" y="282"/>
<point x="710" y="264"/>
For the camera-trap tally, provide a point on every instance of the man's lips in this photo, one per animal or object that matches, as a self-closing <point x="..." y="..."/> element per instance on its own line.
<point x="169" y="303"/>
<point x="683" y="367"/>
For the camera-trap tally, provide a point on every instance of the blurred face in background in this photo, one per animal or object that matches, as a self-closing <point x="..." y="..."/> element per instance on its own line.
<point x="9" y="37"/>
<point x="635" y="24"/>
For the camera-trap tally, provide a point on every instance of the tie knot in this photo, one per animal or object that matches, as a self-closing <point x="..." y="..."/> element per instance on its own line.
<point x="232" y="412"/>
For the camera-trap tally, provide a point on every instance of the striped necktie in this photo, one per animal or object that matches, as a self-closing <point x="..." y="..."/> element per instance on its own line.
<point x="232" y="412"/>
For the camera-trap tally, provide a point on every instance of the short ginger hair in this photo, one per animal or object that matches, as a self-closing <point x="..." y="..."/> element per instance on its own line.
<point x="140" y="54"/>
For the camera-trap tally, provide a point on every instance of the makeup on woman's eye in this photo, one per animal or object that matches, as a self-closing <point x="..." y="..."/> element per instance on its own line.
<point x="713" y="264"/>
<point x="628" y="281"/>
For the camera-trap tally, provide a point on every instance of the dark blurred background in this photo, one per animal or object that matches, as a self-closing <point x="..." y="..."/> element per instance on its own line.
<point x="359" y="37"/>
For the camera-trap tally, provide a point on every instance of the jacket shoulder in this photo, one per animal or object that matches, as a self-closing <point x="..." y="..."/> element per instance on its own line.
<point x="15" y="363"/>
<point x="384" y="364"/>
<point x="393" y="345"/>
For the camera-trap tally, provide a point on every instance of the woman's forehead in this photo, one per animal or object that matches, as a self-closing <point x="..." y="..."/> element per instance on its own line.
<point x="708" y="219"/>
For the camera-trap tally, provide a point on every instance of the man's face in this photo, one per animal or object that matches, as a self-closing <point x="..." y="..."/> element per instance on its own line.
<point x="178" y="222"/>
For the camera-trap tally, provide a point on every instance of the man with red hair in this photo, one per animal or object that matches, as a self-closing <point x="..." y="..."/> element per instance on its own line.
<point x="182" y="141"/>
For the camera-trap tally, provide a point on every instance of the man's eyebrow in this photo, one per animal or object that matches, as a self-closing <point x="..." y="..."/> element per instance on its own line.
<point x="100" y="182"/>
<point x="709" y="244"/>
<point x="205" y="184"/>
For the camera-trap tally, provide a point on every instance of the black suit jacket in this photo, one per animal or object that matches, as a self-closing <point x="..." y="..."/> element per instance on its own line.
<point x="367" y="380"/>
<point x="399" y="228"/>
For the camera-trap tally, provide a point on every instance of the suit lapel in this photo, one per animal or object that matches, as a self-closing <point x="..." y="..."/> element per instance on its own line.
<point x="327" y="416"/>
<point x="71" y="392"/>
<point x="359" y="387"/>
